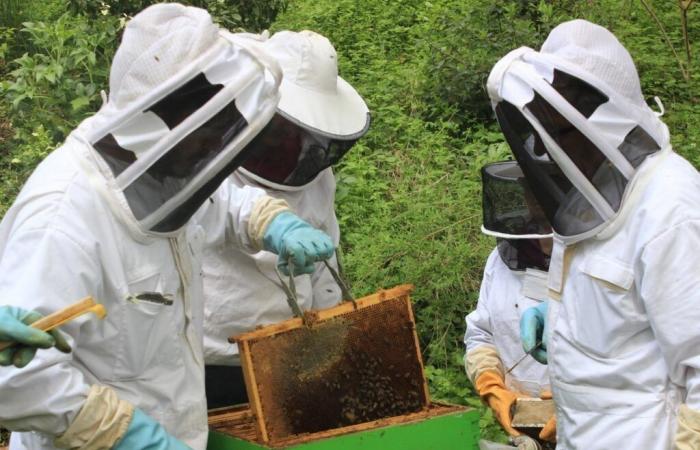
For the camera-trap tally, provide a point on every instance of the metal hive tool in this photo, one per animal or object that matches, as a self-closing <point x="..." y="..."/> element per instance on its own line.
<point x="338" y="367"/>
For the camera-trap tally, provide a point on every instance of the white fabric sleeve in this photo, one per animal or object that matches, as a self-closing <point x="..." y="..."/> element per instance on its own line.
<point x="238" y="215"/>
<point x="670" y="289"/>
<point x="45" y="270"/>
<point x="479" y="330"/>
<point x="482" y="354"/>
<point x="326" y="292"/>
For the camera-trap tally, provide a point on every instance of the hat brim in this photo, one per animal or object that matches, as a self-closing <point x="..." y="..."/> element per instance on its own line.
<point x="342" y="114"/>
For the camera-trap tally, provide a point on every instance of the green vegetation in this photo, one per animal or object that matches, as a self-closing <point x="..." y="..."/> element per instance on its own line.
<point x="409" y="193"/>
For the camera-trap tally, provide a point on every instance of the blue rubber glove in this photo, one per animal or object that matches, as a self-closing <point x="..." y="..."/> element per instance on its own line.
<point x="144" y="433"/>
<point x="296" y="242"/>
<point x="14" y="326"/>
<point x="533" y="331"/>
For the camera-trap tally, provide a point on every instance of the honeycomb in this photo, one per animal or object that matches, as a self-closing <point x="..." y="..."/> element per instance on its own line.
<point x="346" y="367"/>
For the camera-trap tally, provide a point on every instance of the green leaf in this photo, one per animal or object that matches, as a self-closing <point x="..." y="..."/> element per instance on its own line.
<point x="79" y="103"/>
<point x="16" y="101"/>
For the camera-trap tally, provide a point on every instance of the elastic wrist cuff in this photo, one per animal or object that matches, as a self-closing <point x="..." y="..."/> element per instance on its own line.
<point x="101" y="422"/>
<point x="264" y="211"/>
<point x="481" y="359"/>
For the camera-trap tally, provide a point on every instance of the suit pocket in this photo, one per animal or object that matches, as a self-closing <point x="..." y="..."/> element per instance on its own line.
<point x="148" y="338"/>
<point x="609" y="317"/>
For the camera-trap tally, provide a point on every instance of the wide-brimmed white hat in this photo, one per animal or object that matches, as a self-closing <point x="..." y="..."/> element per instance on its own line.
<point x="312" y="92"/>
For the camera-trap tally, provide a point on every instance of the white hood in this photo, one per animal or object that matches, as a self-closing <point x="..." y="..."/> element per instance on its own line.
<point x="185" y="99"/>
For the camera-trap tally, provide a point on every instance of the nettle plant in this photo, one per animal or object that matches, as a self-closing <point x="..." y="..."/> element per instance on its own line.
<point x="57" y="81"/>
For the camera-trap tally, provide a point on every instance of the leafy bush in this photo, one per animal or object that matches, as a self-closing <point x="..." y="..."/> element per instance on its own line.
<point x="409" y="192"/>
<point x="408" y="196"/>
<point x="253" y="15"/>
<point x="456" y="68"/>
<point x="464" y="39"/>
<point x="58" y="83"/>
<point x="19" y="160"/>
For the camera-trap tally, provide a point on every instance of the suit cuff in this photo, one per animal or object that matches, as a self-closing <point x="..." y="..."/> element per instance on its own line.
<point x="264" y="211"/>
<point x="101" y="422"/>
<point x="481" y="359"/>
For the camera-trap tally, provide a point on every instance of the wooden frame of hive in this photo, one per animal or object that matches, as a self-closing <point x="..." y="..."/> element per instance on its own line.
<point x="390" y="364"/>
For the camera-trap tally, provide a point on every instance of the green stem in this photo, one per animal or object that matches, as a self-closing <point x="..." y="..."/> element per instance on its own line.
<point x="653" y="15"/>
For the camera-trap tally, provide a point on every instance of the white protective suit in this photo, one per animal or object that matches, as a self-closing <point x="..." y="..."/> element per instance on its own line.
<point x="72" y="233"/>
<point x="319" y="118"/>
<point x="242" y="289"/>
<point x="61" y="242"/>
<point x="494" y="324"/>
<point x="624" y="348"/>
<point x="624" y="341"/>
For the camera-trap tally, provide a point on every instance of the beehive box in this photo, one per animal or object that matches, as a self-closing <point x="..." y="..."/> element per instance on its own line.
<point x="342" y="368"/>
<point x="440" y="427"/>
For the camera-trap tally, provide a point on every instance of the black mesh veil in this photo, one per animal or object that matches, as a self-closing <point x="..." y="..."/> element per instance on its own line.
<point x="521" y="254"/>
<point x="507" y="202"/>
<point x="175" y="169"/>
<point x="567" y="208"/>
<point x="511" y="213"/>
<point x="292" y="154"/>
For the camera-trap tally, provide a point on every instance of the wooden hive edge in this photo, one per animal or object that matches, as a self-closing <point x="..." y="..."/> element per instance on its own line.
<point x="435" y="409"/>
<point x="343" y="308"/>
<point x="252" y="390"/>
<point x="426" y="388"/>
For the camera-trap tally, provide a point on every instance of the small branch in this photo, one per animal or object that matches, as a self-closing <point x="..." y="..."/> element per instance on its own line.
<point x="651" y="12"/>
<point x="685" y="6"/>
<point x="426" y="237"/>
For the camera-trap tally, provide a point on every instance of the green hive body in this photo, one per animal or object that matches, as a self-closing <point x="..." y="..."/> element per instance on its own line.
<point x="457" y="430"/>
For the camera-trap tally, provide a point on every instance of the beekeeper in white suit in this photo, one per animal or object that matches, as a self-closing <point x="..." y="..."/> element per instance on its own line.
<point x="515" y="278"/>
<point x="319" y="118"/>
<point x="624" y="277"/>
<point x="108" y="214"/>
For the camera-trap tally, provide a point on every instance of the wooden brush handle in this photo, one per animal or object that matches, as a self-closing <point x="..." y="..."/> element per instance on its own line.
<point x="60" y="317"/>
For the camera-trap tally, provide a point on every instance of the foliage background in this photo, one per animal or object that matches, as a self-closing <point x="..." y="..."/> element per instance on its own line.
<point x="409" y="193"/>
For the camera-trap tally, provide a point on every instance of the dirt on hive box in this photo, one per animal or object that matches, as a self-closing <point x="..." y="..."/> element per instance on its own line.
<point x="346" y="367"/>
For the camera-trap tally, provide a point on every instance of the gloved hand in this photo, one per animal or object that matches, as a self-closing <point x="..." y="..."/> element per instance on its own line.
<point x="14" y="326"/>
<point x="493" y="392"/>
<point x="549" y="431"/>
<point x="296" y="242"/>
<point x="524" y="442"/>
<point x="144" y="433"/>
<point x="533" y="331"/>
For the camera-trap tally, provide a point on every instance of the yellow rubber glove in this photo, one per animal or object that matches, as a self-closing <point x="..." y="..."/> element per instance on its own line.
<point x="493" y="392"/>
<point x="549" y="432"/>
